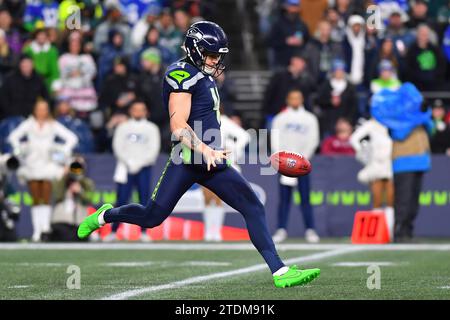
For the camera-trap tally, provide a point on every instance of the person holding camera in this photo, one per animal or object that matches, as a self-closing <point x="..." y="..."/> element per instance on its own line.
<point x="72" y="194"/>
<point x="9" y="211"/>
<point x="43" y="161"/>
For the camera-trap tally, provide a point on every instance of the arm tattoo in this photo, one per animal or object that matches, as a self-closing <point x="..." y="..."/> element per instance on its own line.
<point x="190" y="136"/>
<point x="172" y="114"/>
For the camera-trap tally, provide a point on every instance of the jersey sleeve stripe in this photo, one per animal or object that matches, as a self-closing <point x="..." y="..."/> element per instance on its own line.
<point x="172" y="83"/>
<point x="189" y="83"/>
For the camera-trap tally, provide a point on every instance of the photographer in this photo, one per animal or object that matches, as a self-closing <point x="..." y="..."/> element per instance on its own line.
<point x="72" y="195"/>
<point x="9" y="211"/>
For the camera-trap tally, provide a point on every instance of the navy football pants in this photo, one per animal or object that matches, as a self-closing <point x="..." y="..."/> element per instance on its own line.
<point x="140" y="180"/>
<point x="285" y="203"/>
<point x="228" y="184"/>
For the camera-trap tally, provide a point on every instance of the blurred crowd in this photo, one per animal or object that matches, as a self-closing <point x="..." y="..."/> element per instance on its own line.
<point x="90" y="60"/>
<point x="90" y="73"/>
<point x="339" y="53"/>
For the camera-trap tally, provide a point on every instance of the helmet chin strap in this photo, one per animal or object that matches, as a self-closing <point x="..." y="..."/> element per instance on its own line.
<point x="213" y="71"/>
<point x="209" y="70"/>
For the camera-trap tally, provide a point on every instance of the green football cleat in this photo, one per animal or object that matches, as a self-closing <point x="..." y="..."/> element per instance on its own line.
<point x="295" y="277"/>
<point x="90" y="223"/>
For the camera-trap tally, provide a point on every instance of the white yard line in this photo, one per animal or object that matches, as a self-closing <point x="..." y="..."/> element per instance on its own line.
<point x="220" y="275"/>
<point x="182" y="246"/>
<point x="365" y="264"/>
<point x="163" y="263"/>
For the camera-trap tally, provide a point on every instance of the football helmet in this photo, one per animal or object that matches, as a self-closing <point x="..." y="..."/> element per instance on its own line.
<point x="206" y="38"/>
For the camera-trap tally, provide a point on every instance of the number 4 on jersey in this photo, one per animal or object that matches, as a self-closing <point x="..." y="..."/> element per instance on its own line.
<point x="216" y="98"/>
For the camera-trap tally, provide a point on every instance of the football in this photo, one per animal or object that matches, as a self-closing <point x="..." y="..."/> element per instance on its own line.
<point x="290" y="164"/>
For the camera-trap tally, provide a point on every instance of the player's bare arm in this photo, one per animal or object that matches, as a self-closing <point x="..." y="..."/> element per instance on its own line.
<point x="179" y="110"/>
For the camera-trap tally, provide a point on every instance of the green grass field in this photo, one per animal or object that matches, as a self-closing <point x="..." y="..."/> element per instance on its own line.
<point x="229" y="271"/>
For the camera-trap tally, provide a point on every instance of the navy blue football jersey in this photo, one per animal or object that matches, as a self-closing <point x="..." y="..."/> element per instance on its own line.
<point x="184" y="77"/>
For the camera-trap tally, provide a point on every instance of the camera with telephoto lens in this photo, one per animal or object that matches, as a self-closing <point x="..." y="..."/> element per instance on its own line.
<point x="9" y="211"/>
<point x="8" y="162"/>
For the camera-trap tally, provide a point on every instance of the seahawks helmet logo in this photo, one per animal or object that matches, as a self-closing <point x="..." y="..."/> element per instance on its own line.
<point x="194" y="33"/>
<point x="291" y="163"/>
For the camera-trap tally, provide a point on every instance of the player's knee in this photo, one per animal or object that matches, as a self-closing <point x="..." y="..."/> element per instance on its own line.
<point x="256" y="209"/>
<point x="259" y="208"/>
<point x="155" y="215"/>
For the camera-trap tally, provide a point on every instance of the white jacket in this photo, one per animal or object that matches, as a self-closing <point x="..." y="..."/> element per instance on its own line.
<point x="40" y="153"/>
<point x="376" y="155"/>
<point x="234" y="138"/>
<point x="136" y="144"/>
<point x="295" y="131"/>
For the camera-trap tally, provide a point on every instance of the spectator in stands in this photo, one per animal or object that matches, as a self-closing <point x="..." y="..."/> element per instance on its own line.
<point x="152" y="41"/>
<point x="45" y="57"/>
<point x="13" y="36"/>
<point x="401" y="36"/>
<point x="418" y="15"/>
<point x="322" y="50"/>
<point x="440" y="137"/>
<point x="136" y="146"/>
<point x="21" y="89"/>
<point x="65" y="115"/>
<point x="42" y="161"/>
<point x="265" y="10"/>
<point x="132" y="10"/>
<point x="117" y="94"/>
<point x="344" y="8"/>
<point x="354" y="45"/>
<point x="182" y="20"/>
<point x="115" y="48"/>
<point x="40" y="14"/>
<point x="149" y="85"/>
<point x="339" y="144"/>
<point x="373" y="147"/>
<point x="371" y="50"/>
<point x="337" y="25"/>
<point x="8" y="58"/>
<point x="425" y="63"/>
<point x="289" y="34"/>
<point x="311" y="12"/>
<point x="169" y="36"/>
<point x="114" y="21"/>
<point x="336" y="98"/>
<point x="141" y="28"/>
<point x="387" y="7"/>
<point x="295" y="76"/>
<point x="443" y="18"/>
<point x="296" y="130"/>
<point x="91" y="16"/>
<point x="386" y="52"/>
<point x="72" y="195"/>
<point x="16" y="9"/>
<point x="77" y="73"/>
<point x="388" y="78"/>
<point x="195" y="8"/>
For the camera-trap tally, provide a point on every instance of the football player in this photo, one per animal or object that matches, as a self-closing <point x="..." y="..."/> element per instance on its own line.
<point x="191" y="96"/>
